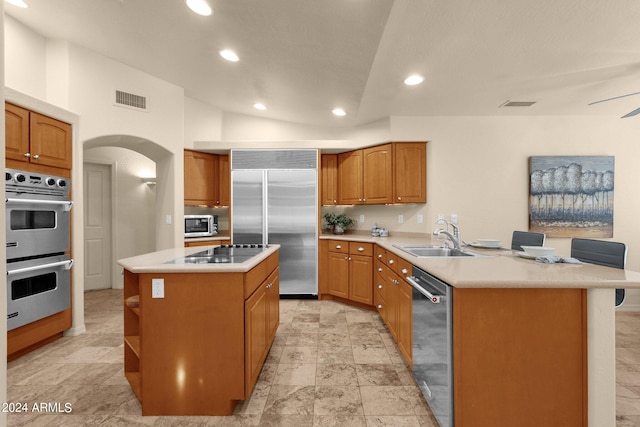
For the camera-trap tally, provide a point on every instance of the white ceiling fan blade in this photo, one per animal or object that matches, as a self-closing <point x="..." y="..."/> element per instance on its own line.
<point x="615" y="97"/>
<point x="631" y="114"/>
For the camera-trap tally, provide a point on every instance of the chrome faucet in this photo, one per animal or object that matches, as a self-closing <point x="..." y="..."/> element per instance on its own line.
<point x="456" y="242"/>
<point x="455" y="237"/>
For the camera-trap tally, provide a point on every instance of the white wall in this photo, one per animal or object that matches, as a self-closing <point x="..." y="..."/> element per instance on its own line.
<point x="25" y="59"/>
<point x="202" y="122"/>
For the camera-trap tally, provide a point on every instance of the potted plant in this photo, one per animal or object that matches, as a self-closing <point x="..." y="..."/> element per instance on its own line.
<point x="338" y="222"/>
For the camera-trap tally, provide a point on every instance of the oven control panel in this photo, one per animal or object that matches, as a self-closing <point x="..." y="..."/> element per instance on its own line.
<point x="34" y="180"/>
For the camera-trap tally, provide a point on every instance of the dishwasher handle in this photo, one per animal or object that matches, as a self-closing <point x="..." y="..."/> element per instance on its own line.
<point x="435" y="299"/>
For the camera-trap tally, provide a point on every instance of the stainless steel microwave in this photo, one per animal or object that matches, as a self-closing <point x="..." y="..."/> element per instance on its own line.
<point x="200" y="225"/>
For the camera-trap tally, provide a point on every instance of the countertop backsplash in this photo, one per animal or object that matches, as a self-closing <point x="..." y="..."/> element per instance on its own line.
<point x="387" y="216"/>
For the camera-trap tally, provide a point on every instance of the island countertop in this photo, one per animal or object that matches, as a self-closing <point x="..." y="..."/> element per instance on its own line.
<point x="499" y="268"/>
<point x="158" y="262"/>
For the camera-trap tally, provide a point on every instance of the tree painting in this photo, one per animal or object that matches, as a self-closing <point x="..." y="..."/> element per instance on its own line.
<point x="571" y="196"/>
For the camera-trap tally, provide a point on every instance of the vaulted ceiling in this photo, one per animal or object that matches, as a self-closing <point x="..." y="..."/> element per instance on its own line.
<point x="302" y="58"/>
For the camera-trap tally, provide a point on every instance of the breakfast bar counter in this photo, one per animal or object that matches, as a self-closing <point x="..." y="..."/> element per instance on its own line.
<point x="533" y="343"/>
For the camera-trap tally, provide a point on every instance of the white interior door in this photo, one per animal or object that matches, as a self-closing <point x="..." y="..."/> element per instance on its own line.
<point x="97" y="226"/>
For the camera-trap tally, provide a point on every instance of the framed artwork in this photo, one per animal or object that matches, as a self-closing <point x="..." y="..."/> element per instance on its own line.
<point x="571" y="196"/>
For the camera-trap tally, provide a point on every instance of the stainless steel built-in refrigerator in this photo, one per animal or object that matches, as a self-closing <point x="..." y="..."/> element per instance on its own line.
<point x="274" y="200"/>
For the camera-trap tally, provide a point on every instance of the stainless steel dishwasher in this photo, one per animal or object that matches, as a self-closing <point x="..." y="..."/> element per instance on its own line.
<point x="432" y="343"/>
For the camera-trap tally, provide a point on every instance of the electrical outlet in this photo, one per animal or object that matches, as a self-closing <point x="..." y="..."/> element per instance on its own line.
<point x="400" y="219"/>
<point x="454" y="218"/>
<point x="440" y="216"/>
<point x="419" y="219"/>
<point x="157" y="288"/>
<point x="167" y="219"/>
<point x="361" y="219"/>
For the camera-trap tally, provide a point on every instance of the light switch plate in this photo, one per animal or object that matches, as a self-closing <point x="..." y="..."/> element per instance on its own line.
<point x="454" y="218"/>
<point x="361" y="219"/>
<point x="400" y="219"/>
<point x="419" y="218"/>
<point x="157" y="288"/>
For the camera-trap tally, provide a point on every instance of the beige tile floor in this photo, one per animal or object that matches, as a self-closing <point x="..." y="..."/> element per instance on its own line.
<point x="330" y="365"/>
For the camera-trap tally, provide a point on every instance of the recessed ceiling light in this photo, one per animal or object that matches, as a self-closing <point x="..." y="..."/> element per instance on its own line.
<point x="339" y="112"/>
<point x="19" y="3"/>
<point x="229" y="55"/>
<point x="413" y="80"/>
<point x="200" y="7"/>
<point x="259" y="106"/>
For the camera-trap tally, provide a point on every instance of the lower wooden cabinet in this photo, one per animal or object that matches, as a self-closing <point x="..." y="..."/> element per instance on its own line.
<point x="188" y="244"/>
<point x="393" y="297"/>
<point x="262" y="316"/>
<point x="349" y="270"/>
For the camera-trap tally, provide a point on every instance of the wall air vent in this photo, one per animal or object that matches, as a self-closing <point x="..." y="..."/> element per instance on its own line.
<point x="518" y="104"/>
<point x="130" y="100"/>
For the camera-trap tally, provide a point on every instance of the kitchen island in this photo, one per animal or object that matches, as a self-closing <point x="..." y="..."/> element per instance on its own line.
<point x="198" y="324"/>
<point x="533" y="344"/>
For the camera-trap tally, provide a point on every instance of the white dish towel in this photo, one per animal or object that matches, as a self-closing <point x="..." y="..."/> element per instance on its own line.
<point x="554" y="259"/>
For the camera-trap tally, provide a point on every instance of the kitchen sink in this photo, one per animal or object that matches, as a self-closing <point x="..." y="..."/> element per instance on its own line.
<point x="435" y="251"/>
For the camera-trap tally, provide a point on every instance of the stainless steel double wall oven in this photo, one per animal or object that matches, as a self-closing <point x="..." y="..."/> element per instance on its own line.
<point x="37" y="233"/>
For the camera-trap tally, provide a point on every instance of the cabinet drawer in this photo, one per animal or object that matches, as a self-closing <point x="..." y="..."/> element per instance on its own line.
<point x="339" y="246"/>
<point x="357" y="248"/>
<point x="403" y="268"/>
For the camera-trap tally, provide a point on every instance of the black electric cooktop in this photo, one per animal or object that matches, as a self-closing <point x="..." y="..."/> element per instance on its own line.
<point x="224" y="254"/>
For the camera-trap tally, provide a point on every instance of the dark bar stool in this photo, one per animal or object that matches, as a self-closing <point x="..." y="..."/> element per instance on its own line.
<point x="609" y="254"/>
<point x="526" y="238"/>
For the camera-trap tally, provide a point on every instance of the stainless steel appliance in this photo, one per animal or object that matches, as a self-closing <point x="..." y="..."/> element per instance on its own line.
<point x="38" y="235"/>
<point x="200" y="225"/>
<point x="37" y="288"/>
<point x="432" y="343"/>
<point x="224" y="254"/>
<point x="274" y="201"/>
<point x="37" y="214"/>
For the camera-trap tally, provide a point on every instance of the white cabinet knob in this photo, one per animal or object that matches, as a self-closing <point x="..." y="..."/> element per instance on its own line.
<point x="338" y="247"/>
<point x="379" y="305"/>
<point x="379" y="286"/>
<point x="380" y="269"/>
<point x="361" y="249"/>
<point x="36" y="156"/>
<point x="391" y="261"/>
<point x="27" y="154"/>
<point x="404" y="271"/>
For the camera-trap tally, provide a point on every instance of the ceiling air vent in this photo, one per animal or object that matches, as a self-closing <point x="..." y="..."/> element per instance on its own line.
<point x="518" y="104"/>
<point x="125" y="99"/>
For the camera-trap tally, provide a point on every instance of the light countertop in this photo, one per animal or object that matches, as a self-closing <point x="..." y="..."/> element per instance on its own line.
<point x="499" y="268"/>
<point x="154" y="262"/>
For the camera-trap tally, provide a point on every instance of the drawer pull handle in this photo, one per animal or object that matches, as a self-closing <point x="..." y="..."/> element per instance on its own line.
<point x="391" y="261"/>
<point x="379" y="255"/>
<point x="404" y="271"/>
<point x="338" y="247"/>
<point x="360" y="249"/>
<point x="380" y="269"/>
<point x="379" y="305"/>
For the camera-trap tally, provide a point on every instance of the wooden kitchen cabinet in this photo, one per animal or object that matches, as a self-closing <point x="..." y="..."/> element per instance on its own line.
<point x="383" y="174"/>
<point x="377" y="185"/>
<point x="349" y="267"/>
<point x="200" y="178"/>
<point x="36" y="139"/>
<point x="207" y="179"/>
<point x="224" y="180"/>
<point x="329" y="179"/>
<point x="410" y="172"/>
<point x="366" y="176"/>
<point x="394" y="298"/>
<point x="350" y="178"/>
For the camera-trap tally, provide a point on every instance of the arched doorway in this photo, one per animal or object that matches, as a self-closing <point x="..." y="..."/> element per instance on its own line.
<point x="122" y="213"/>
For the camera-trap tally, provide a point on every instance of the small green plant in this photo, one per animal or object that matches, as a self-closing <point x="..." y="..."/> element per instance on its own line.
<point x="341" y="220"/>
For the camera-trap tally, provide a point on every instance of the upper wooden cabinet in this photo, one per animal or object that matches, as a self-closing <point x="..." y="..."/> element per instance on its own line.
<point x="350" y="175"/>
<point x="377" y="185"/>
<point x="329" y="179"/>
<point x="207" y="179"/>
<point x="410" y="172"/>
<point x="36" y="139"/>
<point x="383" y="174"/>
<point x="224" y="180"/>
